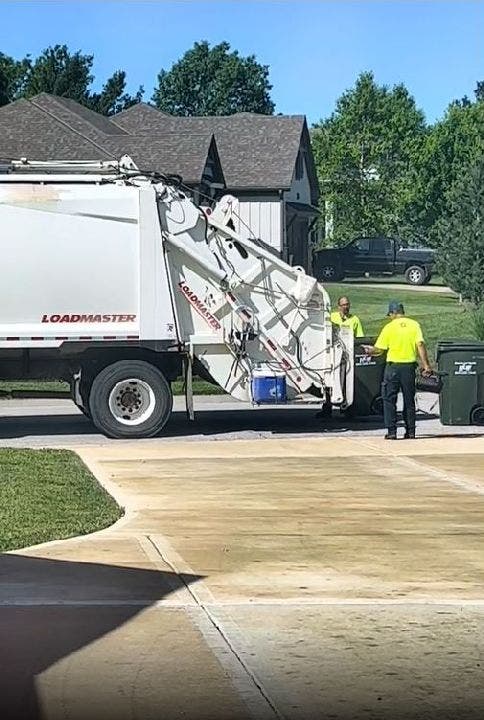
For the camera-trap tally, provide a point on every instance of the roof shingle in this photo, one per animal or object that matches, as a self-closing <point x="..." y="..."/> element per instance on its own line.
<point x="256" y="151"/>
<point x="173" y="153"/>
<point x="26" y="130"/>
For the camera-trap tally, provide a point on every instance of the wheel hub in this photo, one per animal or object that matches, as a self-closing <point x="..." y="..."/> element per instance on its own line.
<point x="129" y="400"/>
<point x="132" y="401"/>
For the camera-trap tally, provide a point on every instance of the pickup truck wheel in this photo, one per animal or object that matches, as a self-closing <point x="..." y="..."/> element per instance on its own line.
<point x="415" y="275"/>
<point x="130" y="399"/>
<point x="330" y="273"/>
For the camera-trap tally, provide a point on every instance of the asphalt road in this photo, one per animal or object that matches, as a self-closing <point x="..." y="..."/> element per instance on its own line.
<point x="58" y="423"/>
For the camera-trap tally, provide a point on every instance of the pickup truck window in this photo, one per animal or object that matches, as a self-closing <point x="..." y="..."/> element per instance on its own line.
<point x="362" y="245"/>
<point x="382" y="247"/>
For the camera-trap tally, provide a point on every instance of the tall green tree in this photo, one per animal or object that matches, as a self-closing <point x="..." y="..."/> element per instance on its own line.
<point x="460" y="233"/>
<point x="60" y="72"/>
<point x="12" y="77"/>
<point x="450" y="146"/>
<point x="214" y="81"/>
<point x="113" y="98"/>
<point x="365" y="156"/>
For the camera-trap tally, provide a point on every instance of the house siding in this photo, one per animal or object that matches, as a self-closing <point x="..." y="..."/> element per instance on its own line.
<point x="262" y="216"/>
<point x="300" y="190"/>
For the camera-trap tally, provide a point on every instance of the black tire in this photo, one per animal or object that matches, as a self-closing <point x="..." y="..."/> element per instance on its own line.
<point x="125" y="391"/>
<point x="477" y="416"/>
<point x="415" y="275"/>
<point x="428" y="278"/>
<point x="330" y="272"/>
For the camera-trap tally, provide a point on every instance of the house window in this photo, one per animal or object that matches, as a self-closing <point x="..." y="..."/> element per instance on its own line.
<point x="299" y="166"/>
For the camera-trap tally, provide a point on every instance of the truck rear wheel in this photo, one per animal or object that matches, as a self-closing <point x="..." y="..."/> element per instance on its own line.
<point x="130" y="399"/>
<point x="415" y="275"/>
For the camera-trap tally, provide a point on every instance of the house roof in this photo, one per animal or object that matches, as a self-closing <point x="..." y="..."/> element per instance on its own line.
<point x="175" y="153"/>
<point x="29" y="130"/>
<point x="136" y="117"/>
<point x="77" y="116"/>
<point x="256" y="151"/>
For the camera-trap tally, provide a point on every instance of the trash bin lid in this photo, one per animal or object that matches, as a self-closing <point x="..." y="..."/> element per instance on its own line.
<point x="458" y="344"/>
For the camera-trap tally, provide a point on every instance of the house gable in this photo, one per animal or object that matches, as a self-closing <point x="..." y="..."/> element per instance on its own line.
<point x="258" y="152"/>
<point x="193" y="157"/>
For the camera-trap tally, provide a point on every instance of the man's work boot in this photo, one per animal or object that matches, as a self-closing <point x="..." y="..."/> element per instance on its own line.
<point x="409" y="435"/>
<point x="391" y="436"/>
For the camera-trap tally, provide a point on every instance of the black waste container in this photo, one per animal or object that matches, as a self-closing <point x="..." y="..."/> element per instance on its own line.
<point x="368" y="377"/>
<point x="461" y="363"/>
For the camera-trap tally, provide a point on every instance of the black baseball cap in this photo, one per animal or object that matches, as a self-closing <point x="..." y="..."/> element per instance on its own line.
<point x="395" y="306"/>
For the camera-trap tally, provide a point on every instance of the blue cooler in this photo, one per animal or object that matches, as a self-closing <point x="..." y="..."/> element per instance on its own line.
<point x="268" y="387"/>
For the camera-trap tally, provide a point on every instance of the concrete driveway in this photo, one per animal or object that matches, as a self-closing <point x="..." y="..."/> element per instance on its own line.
<point x="333" y="577"/>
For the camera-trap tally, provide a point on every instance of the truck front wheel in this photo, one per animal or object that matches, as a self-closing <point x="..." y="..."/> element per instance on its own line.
<point x="130" y="399"/>
<point x="330" y="273"/>
<point x="415" y="275"/>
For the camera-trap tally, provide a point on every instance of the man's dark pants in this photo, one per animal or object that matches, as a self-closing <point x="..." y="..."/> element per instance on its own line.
<point x="399" y="376"/>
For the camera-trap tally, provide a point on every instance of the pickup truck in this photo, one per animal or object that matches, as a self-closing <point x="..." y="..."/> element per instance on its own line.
<point x="375" y="256"/>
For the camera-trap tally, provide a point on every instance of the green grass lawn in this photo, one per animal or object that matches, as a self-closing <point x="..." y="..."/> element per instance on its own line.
<point x="390" y="280"/>
<point x="49" y="495"/>
<point x="440" y="315"/>
<point x="9" y="387"/>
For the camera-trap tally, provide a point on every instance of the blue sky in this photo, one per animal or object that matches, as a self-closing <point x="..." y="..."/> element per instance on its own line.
<point x="314" y="48"/>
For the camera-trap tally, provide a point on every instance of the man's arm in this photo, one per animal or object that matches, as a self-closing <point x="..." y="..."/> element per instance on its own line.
<point x="380" y="346"/>
<point x="372" y="350"/>
<point x="424" y="358"/>
<point x="359" y="328"/>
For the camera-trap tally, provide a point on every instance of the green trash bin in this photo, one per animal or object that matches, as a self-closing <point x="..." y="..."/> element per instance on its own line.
<point x="368" y="377"/>
<point x="461" y="363"/>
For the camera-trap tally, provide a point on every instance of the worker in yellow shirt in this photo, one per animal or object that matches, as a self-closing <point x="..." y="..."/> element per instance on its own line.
<point x="343" y="317"/>
<point x="403" y="341"/>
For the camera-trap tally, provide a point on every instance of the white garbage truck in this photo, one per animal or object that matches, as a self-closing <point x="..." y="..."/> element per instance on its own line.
<point x="114" y="280"/>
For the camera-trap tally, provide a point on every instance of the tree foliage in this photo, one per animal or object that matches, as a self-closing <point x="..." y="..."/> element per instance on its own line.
<point x="460" y="233"/>
<point x="113" y="98"/>
<point x="365" y="155"/>
<point x="450" y="146"/>
<point x="59" y="72"/>
<point x="12" y="77"/>
<point x="214" y="81"/>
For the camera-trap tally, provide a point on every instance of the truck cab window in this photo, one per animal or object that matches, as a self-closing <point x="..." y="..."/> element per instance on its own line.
<point x="381" y="247"/>
<point x="361" y="246"/>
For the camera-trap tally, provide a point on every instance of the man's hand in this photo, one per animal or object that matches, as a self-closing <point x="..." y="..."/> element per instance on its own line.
<point x="367" y="349"/>
<point x="426" y="371"/>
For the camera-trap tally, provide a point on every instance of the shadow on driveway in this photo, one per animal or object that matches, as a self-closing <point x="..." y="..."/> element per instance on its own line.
<point x="51" y="608"/>
<point x="207" y="423"/>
